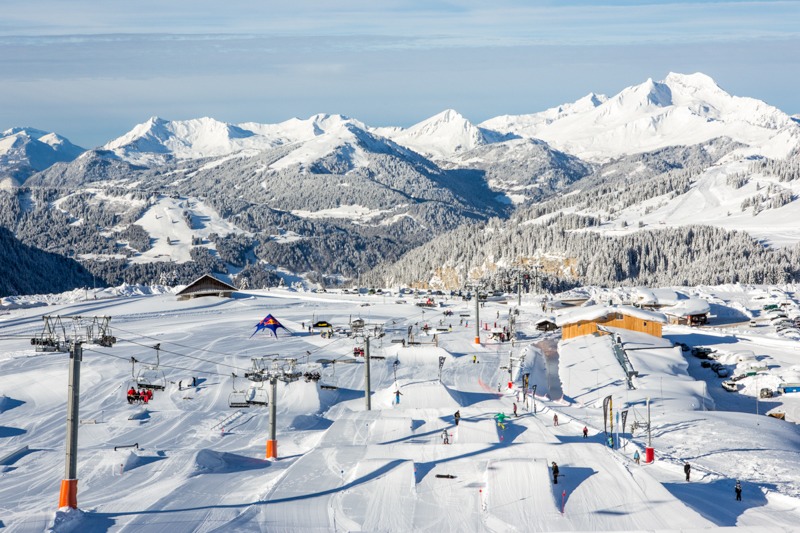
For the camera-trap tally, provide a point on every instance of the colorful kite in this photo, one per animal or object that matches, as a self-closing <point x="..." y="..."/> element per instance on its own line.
<point x="269" y="322"/>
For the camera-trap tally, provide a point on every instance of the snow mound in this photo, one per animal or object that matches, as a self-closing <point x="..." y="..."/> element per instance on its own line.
<point x="213" y="462"/>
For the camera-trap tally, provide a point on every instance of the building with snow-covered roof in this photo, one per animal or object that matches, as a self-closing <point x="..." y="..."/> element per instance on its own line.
<point x="693" y="312"/>
<point x="206" y="285"/>
<point x="585" y="320"/>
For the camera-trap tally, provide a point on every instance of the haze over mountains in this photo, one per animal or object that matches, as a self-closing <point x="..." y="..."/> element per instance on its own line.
<point x="328" y="196"/>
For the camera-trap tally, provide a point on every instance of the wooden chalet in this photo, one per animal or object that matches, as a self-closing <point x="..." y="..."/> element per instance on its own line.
<point x="585" y="320"/>
<point x="206" y="285"/>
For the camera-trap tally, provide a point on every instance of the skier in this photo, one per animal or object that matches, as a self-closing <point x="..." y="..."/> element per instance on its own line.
<point x="636" y="457"/>
<point x="555" y="419"/>
<point x="194" y="381"/>
<point x="445" y="437"/>
<point x="500" y="417"/>
<point x="687" y="469"/>
<point x="555" y="473"/>
<point x="515" y="409"/>
<point x="457" y="416"/>
<point x="738" y="489"/>
<point x="180" y="385"/>
<point x="474" y="359"/>
<point x="397" y="395"/>
<point x="585" y="432"/>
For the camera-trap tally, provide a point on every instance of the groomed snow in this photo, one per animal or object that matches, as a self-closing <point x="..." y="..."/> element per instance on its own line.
<point x="201" y="466"/>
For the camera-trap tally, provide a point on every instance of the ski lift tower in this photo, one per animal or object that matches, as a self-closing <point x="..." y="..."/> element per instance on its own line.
<point x="90" y="330"/>
<point x="369" y="331"/>
<point x="287" y="374"/>
<point x="476" y="289"/>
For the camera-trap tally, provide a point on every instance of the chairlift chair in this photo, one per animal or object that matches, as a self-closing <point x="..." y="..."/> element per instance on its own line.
<point x="258" y="395"/>
<point x="327" y="379"/>
<point x="238" y="399"/>
<point x="150" y="376"/>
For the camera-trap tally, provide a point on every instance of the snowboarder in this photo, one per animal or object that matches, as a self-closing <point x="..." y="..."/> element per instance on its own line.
<point x="555" y="419"/>
<point x="585" y="432"/>
<point x="687" y="469"/>
<point x="445" y="437"/>
<point x="636" y="457"/>
<point x="474" y="359"/>
<point x="555" y="473"/>
<point x="515" y="409"/>
<point x="501" y="418"/>
<point x="397" y="395"/>
<point x="738" y="489"/>
<point x="457" y="416"/>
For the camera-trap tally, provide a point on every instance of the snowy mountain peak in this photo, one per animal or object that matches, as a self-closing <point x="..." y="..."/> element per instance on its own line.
<point x="24" y="151"/>
<point x="157" y="139"/>
<point x="683" y="109"/>
<point x="442" y="135"/>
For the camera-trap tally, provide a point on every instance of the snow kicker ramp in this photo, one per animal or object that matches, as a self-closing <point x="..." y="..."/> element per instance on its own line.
<point x="331" y="490"/>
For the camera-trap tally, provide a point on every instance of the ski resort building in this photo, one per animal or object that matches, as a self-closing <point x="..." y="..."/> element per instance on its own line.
<point x="585" y="320"/>
<point x="692" y="312"/>
<point x="206" y="285"/>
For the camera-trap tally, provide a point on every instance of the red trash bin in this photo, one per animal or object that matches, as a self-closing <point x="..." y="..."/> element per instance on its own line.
<point x="649" y="455"/>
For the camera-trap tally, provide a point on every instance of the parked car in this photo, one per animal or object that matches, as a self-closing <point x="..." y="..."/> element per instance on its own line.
<point x="722" y="372"/>
<point x="701" y="352"/>
<point x="730" y="386"/>
<point x="705" y="364"/>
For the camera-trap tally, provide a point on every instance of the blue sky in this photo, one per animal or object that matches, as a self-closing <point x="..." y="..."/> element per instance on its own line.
<point x="92" y="70"/>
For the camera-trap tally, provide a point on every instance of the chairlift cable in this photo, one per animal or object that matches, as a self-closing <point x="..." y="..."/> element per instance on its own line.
<point x="127" y="359"/>
<point x="182" y="354"/>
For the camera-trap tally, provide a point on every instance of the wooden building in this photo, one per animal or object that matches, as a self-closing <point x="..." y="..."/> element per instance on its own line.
<point x="206" y="285"/>
<point x="584" y="320"/>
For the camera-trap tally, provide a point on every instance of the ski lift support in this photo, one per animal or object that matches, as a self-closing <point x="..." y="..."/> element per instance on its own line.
<point x="49" y="339"/>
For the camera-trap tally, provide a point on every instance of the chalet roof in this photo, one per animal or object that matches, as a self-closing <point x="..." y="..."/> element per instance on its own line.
<point x="596" y="312"/>
<point x="692" y="306"/>
<point x="206" y="283"/>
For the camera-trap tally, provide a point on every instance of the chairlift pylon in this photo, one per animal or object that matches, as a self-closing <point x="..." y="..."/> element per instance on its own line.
<point x="150" y="376"/>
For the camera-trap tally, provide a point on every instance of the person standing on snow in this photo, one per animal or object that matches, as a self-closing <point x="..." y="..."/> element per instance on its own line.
<point x="738" y="489"/>
<point x="457" y="417"/>
<point x="555" y="473"/>
<point x="687" y="469"/>
<point x="515" y="409"/>
<point x="636" y="457"/>
<point x="445" y="437"/>
<point x="585" y="432"/>
<point x="555" y="419"/>
<point x="397" y="395"/>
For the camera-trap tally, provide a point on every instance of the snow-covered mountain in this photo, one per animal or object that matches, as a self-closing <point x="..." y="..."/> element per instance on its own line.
<point x="681" y="110"/>
<point x="442" y="136"/>
<point x="24" y="151"/>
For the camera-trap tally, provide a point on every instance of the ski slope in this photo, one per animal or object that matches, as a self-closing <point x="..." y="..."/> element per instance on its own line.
<point x="199" y="465"/>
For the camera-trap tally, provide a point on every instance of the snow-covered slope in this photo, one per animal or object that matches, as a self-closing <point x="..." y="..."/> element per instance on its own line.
<point x="681" y="110"/>
<point x="24" y="151"/>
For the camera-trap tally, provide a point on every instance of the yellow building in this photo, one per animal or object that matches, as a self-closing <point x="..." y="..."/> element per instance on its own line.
<point x="584" y="320"/>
